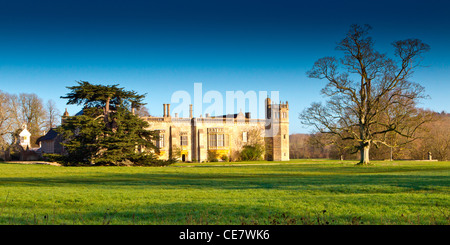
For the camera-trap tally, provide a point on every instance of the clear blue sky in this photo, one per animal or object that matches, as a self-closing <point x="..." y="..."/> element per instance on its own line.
<point x="160" y="47"/>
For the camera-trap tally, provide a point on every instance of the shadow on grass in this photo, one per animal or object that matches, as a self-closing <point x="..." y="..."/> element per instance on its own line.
<point x="293" y="181"/>
<point x="305" y="179"/>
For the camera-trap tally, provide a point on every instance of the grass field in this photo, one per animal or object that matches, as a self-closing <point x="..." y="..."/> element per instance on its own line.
<point x="263" y="193"/>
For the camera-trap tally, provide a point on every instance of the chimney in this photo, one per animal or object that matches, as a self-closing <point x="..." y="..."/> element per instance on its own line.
<point x="168" y="110"/>
<point x="176" y="114"/>
<point x="207" y="115"/>
<point x="190" y="111"/>
<point x="268" y="108"/>
<point x="165" y="106"/>
<point x="64" y="117"/>
<point x="247" y="115"/>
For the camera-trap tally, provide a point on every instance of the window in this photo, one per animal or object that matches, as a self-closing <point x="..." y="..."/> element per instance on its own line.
<point x="220" y="140"/>
<point x="284" y="115"/>
<point x="213" y="140"/>
<point x="160" y="142"/>
<point x="217" y="140"/>
<point x="244" y="137"/>
<point x="184" y="140"/>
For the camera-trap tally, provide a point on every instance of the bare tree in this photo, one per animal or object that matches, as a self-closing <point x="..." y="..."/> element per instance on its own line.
<point x="336" y="144"/>
<point x="298" y="146"/>
<point x="142" y="111"/>
<point x="6" y="122"/>
<point x="434" y="138"/>
<point x="53" y="114"/>
<point x="28" y="109"/>
<point x="438" y="140"/>
<point x="370" y="95"/>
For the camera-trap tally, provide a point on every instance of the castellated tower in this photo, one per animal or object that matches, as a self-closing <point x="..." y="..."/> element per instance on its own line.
<point x="277" y="130"/>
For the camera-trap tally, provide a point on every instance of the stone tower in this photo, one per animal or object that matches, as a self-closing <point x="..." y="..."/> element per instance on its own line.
<point x="277" y="130"/>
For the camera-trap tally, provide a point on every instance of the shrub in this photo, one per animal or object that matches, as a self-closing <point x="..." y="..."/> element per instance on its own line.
<point x="225" y="158"/>
<point x="54" y="158"/>
<point x="213" y="156"/>
<point x="252" y="152"/>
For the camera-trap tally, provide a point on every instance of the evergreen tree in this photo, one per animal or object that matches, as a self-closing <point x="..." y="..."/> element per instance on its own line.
<point x="106" y="132"/>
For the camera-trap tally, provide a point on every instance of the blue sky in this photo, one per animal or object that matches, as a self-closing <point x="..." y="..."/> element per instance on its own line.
<point x="159" y="47"/>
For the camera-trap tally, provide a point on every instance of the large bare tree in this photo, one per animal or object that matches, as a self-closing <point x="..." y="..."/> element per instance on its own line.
<point x="52" y="114"/>
<point x="369" y="94"/>
<point x="6" y="122"/>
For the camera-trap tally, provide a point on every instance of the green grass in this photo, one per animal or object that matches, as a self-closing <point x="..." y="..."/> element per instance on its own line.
<point x="295" y="192"/>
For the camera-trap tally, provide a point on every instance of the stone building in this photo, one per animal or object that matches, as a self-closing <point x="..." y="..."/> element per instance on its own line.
<point x="51" y="141"/>
<point x="193" y="138"/>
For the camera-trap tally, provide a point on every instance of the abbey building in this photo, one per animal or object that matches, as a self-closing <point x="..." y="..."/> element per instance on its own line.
<point x="198" y="138"/>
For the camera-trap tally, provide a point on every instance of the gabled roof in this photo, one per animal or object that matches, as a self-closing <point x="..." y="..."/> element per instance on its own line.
<point x="25" y="132"/>
<point x="51" y="134"/>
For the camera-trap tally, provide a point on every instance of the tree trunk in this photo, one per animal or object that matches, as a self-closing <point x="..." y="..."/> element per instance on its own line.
<point x="107" y="108"/>
<point x="365" y="148"/>
<point x="107" y="111"/>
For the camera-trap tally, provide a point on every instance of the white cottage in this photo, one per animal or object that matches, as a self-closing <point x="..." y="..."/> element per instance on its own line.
<point x="25" y="138"/>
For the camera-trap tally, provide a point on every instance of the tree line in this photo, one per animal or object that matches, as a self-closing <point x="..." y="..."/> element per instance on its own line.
<point x="25" y="109"/>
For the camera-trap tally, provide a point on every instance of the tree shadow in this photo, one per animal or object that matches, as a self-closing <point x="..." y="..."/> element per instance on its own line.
<point x="288" y="181"/>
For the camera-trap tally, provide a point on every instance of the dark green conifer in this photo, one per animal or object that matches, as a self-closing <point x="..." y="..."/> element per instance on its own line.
<point x="106" y="132"/>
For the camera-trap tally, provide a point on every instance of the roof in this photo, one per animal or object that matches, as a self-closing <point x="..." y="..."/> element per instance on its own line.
<point x="237" y="115"/>
<point x="51" y="134"/>
<point x="25" y="132"/>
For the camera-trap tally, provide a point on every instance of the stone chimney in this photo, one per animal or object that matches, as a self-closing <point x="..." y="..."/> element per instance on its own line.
<point x="65" y="116"/>
<point x="165" y="110"/>
<point x="190" y="111"/>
